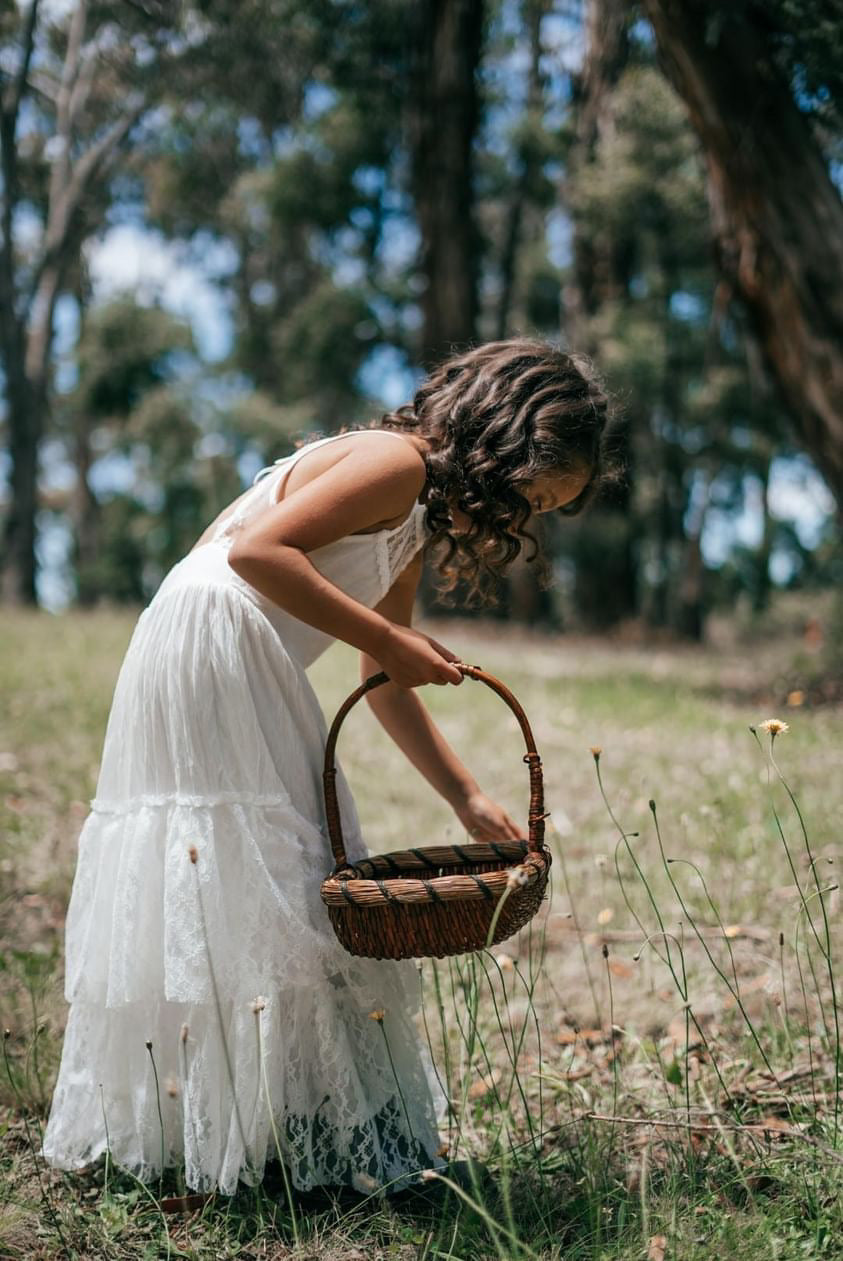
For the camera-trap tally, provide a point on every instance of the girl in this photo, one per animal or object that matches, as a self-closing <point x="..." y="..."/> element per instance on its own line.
<point x="197" y="944"/>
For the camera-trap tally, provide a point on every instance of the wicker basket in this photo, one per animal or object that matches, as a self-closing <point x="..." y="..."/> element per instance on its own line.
<point x="439" y="900"/>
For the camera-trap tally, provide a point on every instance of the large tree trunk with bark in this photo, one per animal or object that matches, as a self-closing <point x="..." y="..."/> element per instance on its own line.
<point x="442" y="122"/>
<point x="777" y="216"/>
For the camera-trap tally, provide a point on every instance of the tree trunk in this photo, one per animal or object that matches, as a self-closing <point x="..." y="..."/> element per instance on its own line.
<point x="86" y="516"/>
<point x="24" y="423"/>
<point x="442" y="122"/>
<point x="529" y="161"/>
<point x="606" y="580"/>
<point x="777" y="216"/>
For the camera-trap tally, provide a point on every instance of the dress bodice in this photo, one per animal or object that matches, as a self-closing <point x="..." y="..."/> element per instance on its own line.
<point x="364" y="566"/>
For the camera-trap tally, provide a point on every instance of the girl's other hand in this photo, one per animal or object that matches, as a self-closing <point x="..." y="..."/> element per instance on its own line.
<point x="485" y="820"/>
<point x="411" y="658"/>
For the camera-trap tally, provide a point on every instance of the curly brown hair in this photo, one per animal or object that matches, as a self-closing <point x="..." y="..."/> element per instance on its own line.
<point x="495" y="417"/>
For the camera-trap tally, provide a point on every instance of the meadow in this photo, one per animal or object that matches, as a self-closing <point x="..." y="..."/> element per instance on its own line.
<point x="650" y="1068"/>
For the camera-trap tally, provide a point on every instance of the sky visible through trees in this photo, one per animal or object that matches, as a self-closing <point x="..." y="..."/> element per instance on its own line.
<point x="298" y="223"/>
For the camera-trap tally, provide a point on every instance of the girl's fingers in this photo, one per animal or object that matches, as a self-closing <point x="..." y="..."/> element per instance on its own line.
<point x="442" y="650"/>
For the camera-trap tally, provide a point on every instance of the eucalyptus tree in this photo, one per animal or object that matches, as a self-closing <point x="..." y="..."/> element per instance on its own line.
<point x="763" y="83"/>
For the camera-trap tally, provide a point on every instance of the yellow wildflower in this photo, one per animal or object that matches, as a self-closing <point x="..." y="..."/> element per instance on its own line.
<point x="773" y="726"/>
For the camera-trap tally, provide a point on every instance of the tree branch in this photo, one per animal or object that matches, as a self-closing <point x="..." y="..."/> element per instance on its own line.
<point x="16" y="90"/>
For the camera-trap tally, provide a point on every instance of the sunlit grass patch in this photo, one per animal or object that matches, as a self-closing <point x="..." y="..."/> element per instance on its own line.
<point x="629" y="1106"/>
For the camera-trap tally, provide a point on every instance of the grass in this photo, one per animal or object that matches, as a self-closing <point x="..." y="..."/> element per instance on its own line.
<point x="648" y="1067"/>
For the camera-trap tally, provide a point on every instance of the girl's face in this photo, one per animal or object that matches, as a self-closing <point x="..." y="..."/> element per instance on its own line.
<point x="544" y="493"/>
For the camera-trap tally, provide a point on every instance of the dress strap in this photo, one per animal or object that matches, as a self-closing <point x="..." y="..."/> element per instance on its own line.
<point x="285" y="462"/>
<point x="309" y="446"/>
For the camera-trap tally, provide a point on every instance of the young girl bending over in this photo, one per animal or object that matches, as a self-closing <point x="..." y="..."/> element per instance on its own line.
<point x="197" y="943"/>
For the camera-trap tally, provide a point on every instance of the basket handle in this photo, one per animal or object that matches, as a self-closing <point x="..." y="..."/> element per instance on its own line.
<point x="537" y="813"/>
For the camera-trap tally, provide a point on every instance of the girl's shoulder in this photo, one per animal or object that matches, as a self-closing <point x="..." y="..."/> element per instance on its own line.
<point x="399" y="459"/>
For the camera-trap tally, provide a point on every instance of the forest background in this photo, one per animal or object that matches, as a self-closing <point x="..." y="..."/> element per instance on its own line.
<point x="228" y="226"/>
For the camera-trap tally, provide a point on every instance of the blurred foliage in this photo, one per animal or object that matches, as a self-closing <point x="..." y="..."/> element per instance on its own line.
<point x="276" y="158"/>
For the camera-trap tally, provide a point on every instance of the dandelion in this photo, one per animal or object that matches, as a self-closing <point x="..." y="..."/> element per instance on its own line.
<point x="378" y="1014"/>
<point x="516" y="876"/>
<point x="259" y="1004"/>
<point x="193" y="854"/>
<point x="595" y="750"/>
<point x="774" y="727"/>
<point x="505" y="962"/>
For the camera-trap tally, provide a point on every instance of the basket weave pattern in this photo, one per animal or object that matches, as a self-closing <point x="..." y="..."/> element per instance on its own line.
<point x="438" y="900"/>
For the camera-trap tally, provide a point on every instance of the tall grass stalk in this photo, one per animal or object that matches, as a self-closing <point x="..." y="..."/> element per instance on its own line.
<point x="624" y="840"/>
<point x="193" y="856"/>
<point x="501" y="902"/>
<point x="428" y="1039"/>
<point x="160" y="1117"/>
<point x="826" y="932"/>
<point x="45" y="1196"/>
<point x="257" y="1009"/>
<point x="185" y="1092"/>
<point x="801" y="974"/>
<point x="598" y="1015"/>
<point x="734" y="989"/>
<point x="613" y="1049"/>
<point x="446" y="1050"/>
<point x="512" y="1051"/>
<point x="495" y="1228"/>
<point x="142" y="1187"/>
<point x="397" y="1081"/>
<point x="468" y="1037"/>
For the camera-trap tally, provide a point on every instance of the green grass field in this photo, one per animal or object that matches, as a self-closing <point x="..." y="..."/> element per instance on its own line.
<point x="649" y="1069"/>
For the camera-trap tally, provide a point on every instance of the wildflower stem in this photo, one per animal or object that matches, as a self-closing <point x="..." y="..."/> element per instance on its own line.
<point x="217" y="1004"/>
<point x="270" y="1112"/>
<point x="446" y="1047"/>
<point x="160" y="1118"/>
<point x="827" y="935"/>
<point x="498" y="908"/>
<point x="397" y="1082"/>
<point x="495" y="1227"/>
<point x="580" y="935"/>
<point x="185" y="1092"/>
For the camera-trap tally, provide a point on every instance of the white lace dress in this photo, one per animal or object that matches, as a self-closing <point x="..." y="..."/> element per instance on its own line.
<point x="214" y="747"/>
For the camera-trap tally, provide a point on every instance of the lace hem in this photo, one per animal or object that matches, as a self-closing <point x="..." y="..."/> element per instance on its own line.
<point x="352" y="1102"/>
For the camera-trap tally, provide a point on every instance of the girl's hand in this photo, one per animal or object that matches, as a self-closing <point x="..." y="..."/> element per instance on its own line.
<point x="485" y="820"/>
<point x="411" y="658"/>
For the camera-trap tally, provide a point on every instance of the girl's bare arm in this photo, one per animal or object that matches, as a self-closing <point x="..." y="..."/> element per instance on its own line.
<point x="359" y="490"/>
<point x="406" y="719"/>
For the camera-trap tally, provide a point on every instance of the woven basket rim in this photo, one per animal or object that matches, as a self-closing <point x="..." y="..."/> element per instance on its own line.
<point x="459" y="887"/>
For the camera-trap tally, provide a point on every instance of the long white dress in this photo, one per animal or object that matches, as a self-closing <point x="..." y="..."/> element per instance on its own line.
<point x="215" y="741"/>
